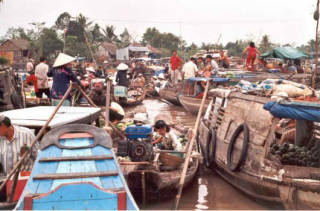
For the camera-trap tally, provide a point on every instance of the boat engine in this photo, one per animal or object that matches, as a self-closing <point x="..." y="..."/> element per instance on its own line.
<point x="138" y="143"/>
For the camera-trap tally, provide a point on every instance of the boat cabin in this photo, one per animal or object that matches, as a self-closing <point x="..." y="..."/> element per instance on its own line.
<point x="240" y="140"/>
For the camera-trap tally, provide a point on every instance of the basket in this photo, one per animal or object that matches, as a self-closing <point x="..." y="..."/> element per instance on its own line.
<point x="170" y="160"/>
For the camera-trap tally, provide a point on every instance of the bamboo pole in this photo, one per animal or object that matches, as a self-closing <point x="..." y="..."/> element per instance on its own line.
<point x="107" y="102"/>
<point x="317" y="51"/>
<point x="186" y="162"/>
<point x="41" y="132"/>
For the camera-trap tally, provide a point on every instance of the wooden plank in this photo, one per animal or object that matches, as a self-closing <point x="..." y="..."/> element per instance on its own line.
<point x="76" y="135"/>
<point x="75" y="175"/>
<point x="76" y="158"/>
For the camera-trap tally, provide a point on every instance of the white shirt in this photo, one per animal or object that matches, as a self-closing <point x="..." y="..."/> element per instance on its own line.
<point x="10" y="150"/>
<point x="215" y="67"/>
<point x="190" y="69"/>
<point x="41" y="74"/>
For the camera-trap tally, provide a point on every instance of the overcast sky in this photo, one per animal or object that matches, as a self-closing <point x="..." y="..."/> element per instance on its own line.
<point x="285" y="21"/>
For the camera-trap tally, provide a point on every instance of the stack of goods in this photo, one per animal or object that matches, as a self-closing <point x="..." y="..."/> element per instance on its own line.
<point x="290" y="154"/>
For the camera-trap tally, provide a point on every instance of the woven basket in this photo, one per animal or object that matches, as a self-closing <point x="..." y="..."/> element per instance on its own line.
<point x="170" y="160"/>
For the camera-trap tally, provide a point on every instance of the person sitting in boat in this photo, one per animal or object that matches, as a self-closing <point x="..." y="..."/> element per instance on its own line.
<point x="122" y="77"/>
<point x="140" y="81"/>
<point x="164" y="138"/>
<point x="224" y="60"/>
<point x="98" y="93"/>
<point x="214" y="65"/>
<point x="62" y="75"/>
<point x="14" y="141"/>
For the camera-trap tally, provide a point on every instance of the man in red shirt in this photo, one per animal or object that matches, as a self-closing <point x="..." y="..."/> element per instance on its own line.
<point x="32" y="79"/>
<point x="175" y="64"/>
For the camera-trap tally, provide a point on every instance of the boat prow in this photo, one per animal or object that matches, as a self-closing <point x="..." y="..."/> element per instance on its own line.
<point x="76" y="169"/>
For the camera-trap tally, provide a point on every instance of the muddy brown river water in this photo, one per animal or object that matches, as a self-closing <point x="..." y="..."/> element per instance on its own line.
<point x="208" y="191"/>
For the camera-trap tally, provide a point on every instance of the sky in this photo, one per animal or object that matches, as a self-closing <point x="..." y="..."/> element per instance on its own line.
<point x="208" y="21"/>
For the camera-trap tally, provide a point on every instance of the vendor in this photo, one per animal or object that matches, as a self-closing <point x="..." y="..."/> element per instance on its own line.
<point x="164" y="138"/>
<point x="224" y="60"/>
<point x="98" y="93"/>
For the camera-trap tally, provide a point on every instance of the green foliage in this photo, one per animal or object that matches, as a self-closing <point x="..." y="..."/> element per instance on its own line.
<point x="265" y="44"/>
<point x="51" y="44"/>
<point x="125" y="38"/>
<point x="76" y="48"/>
<point x="161" y="40"/>
<point x="63" y="21"/>
<point x="236" y="48"/>
<point x="3" y="60"/>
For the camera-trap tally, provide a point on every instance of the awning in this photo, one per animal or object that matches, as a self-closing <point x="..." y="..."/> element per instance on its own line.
<point x="285" y="53"/>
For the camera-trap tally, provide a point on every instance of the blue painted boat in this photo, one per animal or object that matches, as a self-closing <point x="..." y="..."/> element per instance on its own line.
<point x="76" y="169"/>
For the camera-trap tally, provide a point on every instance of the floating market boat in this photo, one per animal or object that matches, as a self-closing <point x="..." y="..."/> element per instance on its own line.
<point x="154" y="172"/>
<point x="131" y="97"/>
<point x="240" y="140"/>
<point x="76" y="169"/>
<point x="191" y="103"/>
<point x="170" y="93"/>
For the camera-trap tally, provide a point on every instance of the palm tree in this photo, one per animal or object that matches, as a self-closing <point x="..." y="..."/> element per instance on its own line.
<point x="109" y="34"/>
<point x="85" y="24"/>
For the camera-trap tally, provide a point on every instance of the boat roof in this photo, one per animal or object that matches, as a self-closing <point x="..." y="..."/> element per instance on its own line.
<point x="37" y="116"/>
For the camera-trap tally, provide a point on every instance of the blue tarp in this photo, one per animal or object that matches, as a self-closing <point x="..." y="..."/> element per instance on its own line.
<point x="294" y="110"/>
<point x="214" y="79"/>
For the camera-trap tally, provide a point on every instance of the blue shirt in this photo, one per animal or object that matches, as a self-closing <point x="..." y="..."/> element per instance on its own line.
<point x="61" y="81"/>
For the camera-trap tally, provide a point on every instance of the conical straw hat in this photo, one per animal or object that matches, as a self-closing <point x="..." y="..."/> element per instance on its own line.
<point x="122" y="66"/>
<point x="63" y="59"/>
<point x="118" y="108"/>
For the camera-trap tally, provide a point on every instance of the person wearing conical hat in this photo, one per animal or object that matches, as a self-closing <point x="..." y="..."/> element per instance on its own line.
<point x="122" y="75"/>
<point x="62" y="75"/>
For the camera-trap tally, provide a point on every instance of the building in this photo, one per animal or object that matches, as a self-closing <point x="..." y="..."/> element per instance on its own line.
<point x="17" y="51"/>
<point x="106" y="51"/>
<point x="135" y="50"/>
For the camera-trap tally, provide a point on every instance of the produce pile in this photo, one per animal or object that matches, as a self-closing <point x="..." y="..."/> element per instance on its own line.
<point x="290" y="154"/>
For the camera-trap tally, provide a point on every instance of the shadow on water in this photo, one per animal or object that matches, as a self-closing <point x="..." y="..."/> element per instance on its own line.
<point x="208" y="190"/>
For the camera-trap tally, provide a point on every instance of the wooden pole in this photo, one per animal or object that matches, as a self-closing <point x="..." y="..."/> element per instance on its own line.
<point x="186" y="162"/>
<point x="41" y="132"/>
<point x="143" y="184"/>
<point x="107" y="102"/>
<point x="317" y="51"/>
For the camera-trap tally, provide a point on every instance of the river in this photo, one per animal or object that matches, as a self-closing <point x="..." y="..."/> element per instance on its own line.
<point x="208" y="191"/>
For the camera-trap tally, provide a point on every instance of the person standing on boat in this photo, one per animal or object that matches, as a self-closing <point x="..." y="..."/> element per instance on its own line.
<point x="14" y="140"/>
<point x="41" y="71"/>
<point x="252" y="52"/>
<point x="175" y="65"/>
<point x="189" y="70"/>
<point x="30" y="66"/>
<point x="62" y="75"/>
<point x="214" y="65"/>
<point x="122" y="75"/>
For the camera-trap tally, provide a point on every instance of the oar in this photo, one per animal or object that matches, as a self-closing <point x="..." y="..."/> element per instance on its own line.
<point x="186" y="162"/>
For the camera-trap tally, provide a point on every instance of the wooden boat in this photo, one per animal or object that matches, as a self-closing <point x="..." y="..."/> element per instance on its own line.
<point x="171" y="94"/>
<point x="192" y="104"/>
<point x="134" y="96"/>
<point x="159" y="184"/>
<point x="76" y="169"/>
<point x="245" y="161"/>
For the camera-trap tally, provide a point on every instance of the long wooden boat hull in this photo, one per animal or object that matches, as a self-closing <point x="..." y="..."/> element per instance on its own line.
<point x="159" y="184"/>
<point x="295" y="187"/>
<point x="76" y="171"/>
<point x="170" y="95"/>
<point x="192" y="104"/>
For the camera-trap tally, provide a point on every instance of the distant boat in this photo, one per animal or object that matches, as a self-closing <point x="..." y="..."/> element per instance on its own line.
<point x="76" y="169"/>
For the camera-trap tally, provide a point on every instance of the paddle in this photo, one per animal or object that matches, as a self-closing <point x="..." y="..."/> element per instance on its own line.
<point x="189" y="150"/>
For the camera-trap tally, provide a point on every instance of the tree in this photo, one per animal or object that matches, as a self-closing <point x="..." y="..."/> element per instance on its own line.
<point x="109" y="34"/>
<point x="63" y="21"/>
<point x="52" y="45"/>
<point x="125" y="38"/>
<point x="97" y="36"/>
<point x="265" y="44"/>
<point x="83" y="21"/>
